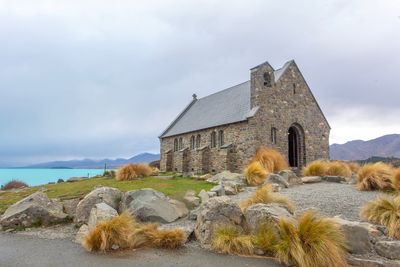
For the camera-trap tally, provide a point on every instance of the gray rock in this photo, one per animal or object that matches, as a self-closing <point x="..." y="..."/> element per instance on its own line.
<point x="261" y="213"/>
<point x="83" y="231"/>
<point x="357" y="235"/>
<point x="149" y="205"/>
<point x="219" y="190"/>
<point x="228" y="178"/>
<point x="211" y="194"/>
<point x="194" y="213"/>
<point x="334" y="179"/>
<point x="190" y="199"/>
<point x="218" y="210"/>
<point x="311" y="179"/>
<point x="388" y="249"/>
<point x="100" y="212"/>
<point x="70" y="206"/>
<point x="276" y="187"/>
<point x="274" y="178"/>
<point x="204" y="196"/>
<point x="34" y="210"/>
<point x="359" y="261"/>
<point x="231" y="190"/>
<point x="110" y="196"/>
<point x="290" y="177"/>
<point x="186" y="225"/>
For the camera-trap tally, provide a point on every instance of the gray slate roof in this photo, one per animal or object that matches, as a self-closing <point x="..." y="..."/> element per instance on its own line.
<point x="224" y="107"/>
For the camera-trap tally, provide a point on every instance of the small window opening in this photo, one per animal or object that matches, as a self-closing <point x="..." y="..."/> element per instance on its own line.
<point x="221" y="138"/>
<point x="273" y="135"/>
<point x="213" y="139"/>
<point x="294" y="88"/>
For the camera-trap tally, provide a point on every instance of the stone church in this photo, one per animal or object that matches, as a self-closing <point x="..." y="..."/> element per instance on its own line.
<point x="222" y="131"/>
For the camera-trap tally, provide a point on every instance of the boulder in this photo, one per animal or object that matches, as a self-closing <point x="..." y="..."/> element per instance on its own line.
<point x="388" y="249"/>
<point x="83" y="231"/>
<point x="70" y="206"/>
<point x="110" y="196"/>
<point x="194" y="213"/>
<point x="311" y="179"/>
<point x="211" y="194"/>
<point x="231" y="190"/>
<point x="219" y="190"/>
<point x="365" y="262"/>
<point x="204" y="196"/>
<point x="274" y="178"/>
<point x="261" y="213"/>
<point x="190" y="199"/>
<point x="100" y="212"/>
<point x="217" y="211"/>
<point x="228" y="178"/>
<point x="186" y="225"/>
<point x="290" y="177"/>
<point x="34" y="210"/>
<point x="149" y="205"/>
<point x="276" y="188"/>
<point x="357" y="235"/>
<point x="334" y="179"/>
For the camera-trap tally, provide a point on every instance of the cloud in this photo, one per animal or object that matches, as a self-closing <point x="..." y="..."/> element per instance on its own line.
<point x="100" y="79"/>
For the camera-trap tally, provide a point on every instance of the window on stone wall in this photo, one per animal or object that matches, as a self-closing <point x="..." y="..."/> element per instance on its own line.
<point x="213" y="139"/>
<point x="221" y="138"/>
<point x="267" y="79"/>
<point x="175" y="144"/>
<point x="198" y="141"/>
<point x="180" y="143"/>
<point x="192" y="142"/>
<point x="273" y="135"/>
<point x="294" y="88"/>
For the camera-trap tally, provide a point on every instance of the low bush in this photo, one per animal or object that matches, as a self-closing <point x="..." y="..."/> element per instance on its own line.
<point x="14" y="184"/>
<point x="109" y="173"/>
<point x="384" y="210"/>
<point x="396" y="180"/>
<point x="376" y="176"/>
<point x="265" y="195"/>
<point x="255" y="173"/>
<point x="228" y="239"/>
<point x="133" y="171"/>
<point x="354" y="166"/>
<point x="270" y="159"/>
<point x="315" y="168"/>
<point x="125" y="232"/>
<point x="311" y="241"/>
<point x="338" y="168"/>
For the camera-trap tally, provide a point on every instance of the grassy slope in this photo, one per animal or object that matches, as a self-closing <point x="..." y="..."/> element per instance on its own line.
<point x="174" y="187"/>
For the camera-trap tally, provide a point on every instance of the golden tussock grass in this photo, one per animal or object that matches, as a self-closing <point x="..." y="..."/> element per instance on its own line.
<point x="384" y="210"/>
<point x="255" y="173"/>
<point x="396" y="180"/>
<point x="125" y="232"/>
<point x="133" y="171"/>
<point x="310" y="241"/>
<point x="338" y="168"/>
<point x="227" y="239"/>
<point x="354" y="166"/>
<point x="376" y="176"/>
<point x="315" y="168"/>
<point x="266" y="195"/>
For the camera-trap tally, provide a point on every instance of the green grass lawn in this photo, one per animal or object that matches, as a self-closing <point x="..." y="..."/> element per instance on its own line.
<point x="174" y="187"/>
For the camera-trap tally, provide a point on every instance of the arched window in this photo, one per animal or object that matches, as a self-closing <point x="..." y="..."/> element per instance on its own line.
<point x="180" y="143"/>
<point x="175" y="144"/>
<point x="198" y="141"/>
<point x="294" y="88"/>
<point x="192" y="142"/>
<point x="213" y="139"/>
<point x="273" y="135"/>
<point x="221" y="138"/>
<point x="267" y="79"/>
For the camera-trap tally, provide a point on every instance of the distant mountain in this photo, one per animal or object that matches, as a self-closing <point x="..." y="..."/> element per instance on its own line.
<point x="385" y="146"/>
<point x="97" y="164"/>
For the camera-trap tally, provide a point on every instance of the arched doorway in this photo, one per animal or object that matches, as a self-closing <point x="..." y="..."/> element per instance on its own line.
<point x="296" y="146"/>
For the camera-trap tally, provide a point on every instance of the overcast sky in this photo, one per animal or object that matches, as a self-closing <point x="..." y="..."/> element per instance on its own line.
<point x="93" y="78"/>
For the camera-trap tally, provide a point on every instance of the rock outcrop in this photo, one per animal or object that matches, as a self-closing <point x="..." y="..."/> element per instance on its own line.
<point x="100" y="212"/>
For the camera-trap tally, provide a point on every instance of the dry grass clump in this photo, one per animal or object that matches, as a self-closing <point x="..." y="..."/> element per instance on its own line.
<point x="227" y="239"/>
<point x="14" y="184"/>
<point x="376" y="176"/>
<point x="338" y="168"/>
<point x="315" y="168"/>
<point x="384" y="210"/>
<point x="124" y="232"/>
<point x="133" y="171"/>
<point x="255" y="173"/>
<point x="265" y="161"/>
<point x="354" y="166"/>
<point x="266" y="195"/>
<point x="311" y="241"/>
<point x="396" y="180"/>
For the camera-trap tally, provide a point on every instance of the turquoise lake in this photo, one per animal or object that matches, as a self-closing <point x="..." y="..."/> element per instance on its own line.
<point x="43" y="176"/>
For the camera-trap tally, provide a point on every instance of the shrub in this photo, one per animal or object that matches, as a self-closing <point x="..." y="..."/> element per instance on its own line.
<point x="266" y="196"/>
<point x="316" y="168"/>
<point x="270" y="159"/>
<point x="227" y="239"/>
<point x="312" y="241"/>
<point x="133" y="171"/>
<point x="396" y="180"/>
<point x="109" y="173"/>
<point x="170" y="239"/>
<point x="117" y="231"/>
<point x="14" y="184"/>
<point x="354" y="166"/>
<point x="338" y="168"/>
<point x="376" y="176"/>
<point x="384" y="210"/>
<point x="255" y="173"/>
